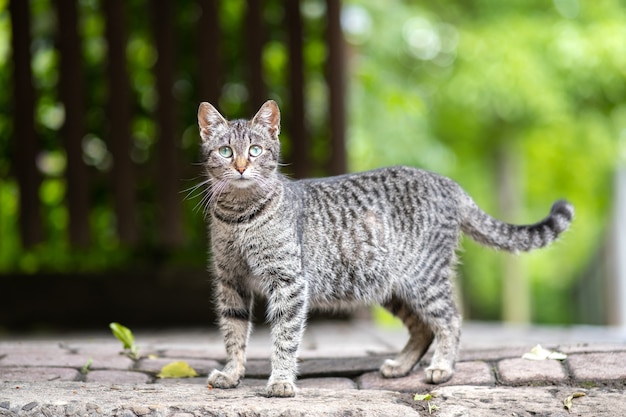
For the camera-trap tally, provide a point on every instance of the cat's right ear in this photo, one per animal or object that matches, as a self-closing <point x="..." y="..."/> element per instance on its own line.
<point x="209" y="120"/>
<point x="268" y="117"/>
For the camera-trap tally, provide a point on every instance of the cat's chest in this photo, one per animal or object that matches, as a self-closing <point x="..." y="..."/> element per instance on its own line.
<point x="258" y="253"/>
<point x="254" y="242"/>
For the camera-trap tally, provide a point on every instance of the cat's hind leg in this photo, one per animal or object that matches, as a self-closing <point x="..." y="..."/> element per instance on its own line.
<point x="420" y="339"/>
<point x="443" y="318"/>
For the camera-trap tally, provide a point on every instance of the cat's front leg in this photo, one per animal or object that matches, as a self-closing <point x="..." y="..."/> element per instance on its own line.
<point x="234" y="306"/>
<point x="287" y="314"/>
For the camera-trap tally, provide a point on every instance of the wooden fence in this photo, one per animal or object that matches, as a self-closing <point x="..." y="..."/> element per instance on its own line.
<point x="167" y="167"/>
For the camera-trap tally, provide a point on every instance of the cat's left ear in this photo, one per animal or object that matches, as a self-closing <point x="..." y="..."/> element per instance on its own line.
<point x="209" y="120"/>
<point x="268" y="117"/>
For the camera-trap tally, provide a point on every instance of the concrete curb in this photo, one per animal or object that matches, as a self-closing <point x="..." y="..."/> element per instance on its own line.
<point x="186" y="400"/>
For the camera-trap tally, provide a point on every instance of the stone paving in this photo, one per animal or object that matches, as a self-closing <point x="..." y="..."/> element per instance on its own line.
<point x="85" y="374"/>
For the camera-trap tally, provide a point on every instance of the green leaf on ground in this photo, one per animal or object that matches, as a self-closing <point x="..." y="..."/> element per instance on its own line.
<point x="85" y="369"/>
<point x="538" y="353"/>
<point x="568" y="402"/>
<point x="427" y="398"/>
<point x="124" y="335"/>
<point x="423" y="397"/>
<point x="180" y="369"/>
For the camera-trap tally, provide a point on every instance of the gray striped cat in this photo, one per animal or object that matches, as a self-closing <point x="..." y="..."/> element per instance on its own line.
<point x="386" y="236"/>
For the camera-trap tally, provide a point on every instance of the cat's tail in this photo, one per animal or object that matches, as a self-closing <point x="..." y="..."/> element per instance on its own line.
<point x="488" y="231"/>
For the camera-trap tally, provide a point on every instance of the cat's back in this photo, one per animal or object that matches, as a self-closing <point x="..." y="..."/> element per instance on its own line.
<point x="394" y="203"/>
<point x="376" y="188"/>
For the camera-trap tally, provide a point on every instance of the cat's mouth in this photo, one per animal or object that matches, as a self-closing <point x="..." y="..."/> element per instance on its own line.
<point x="242" y="182"/>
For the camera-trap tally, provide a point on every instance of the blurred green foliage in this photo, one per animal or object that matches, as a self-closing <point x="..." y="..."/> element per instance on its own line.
<point x="451" y="85"/>
<point x="447" y="86"/>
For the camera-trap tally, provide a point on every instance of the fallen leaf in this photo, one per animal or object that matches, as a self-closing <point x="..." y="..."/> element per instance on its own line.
<point x="180" y="369"/>
<point x="538" y="353"/>
<point x="422" y="397"/>
<point x="427" y="398"/>
<point x="567" y="403"/>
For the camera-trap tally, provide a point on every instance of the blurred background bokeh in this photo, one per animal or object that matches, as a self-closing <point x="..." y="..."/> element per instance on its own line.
<point x="521" y="102"/>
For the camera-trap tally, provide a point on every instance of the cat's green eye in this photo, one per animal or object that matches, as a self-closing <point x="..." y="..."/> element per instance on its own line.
<point x="255" y="150"/>
<point x="225" y="151"/>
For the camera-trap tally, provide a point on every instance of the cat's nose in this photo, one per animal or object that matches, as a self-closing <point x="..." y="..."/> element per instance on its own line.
<point x="240" y="169"/>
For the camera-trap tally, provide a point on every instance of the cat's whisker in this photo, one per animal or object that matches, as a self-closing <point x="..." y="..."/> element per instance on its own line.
<point x="191" y="190"/>
<point x="206" y="195"/>
<point x="217" y="188"/>
<point x="191" y="179"/>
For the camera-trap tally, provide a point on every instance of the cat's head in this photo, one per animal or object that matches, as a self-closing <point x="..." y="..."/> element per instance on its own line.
<point x="240" y="153"/>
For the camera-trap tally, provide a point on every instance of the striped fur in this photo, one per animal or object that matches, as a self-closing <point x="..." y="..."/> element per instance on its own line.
<point x="387" y="236"/>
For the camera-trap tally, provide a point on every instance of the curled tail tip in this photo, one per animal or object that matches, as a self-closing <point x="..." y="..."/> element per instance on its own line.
<point x="563" y="208"/>
<point x="563" y="212"/>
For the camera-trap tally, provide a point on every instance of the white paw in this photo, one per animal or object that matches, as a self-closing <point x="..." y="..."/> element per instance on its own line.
<point x="438" y="375"/>
<point x="281" y="389"/>
<point x="394" y="369"/>
<point x="218" y="379"/>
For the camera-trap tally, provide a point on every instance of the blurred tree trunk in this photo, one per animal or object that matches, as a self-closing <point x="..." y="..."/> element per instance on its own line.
<point x="297" y="124"/>
<point x="336" y="86"/>
<point x="255" y="38"/>
<point x="209" y="52"/>
<point x="167" y="176"/>
<point x="26" y="146"/>
<point x="615" y="298"/>
<point x="72" y="93"/>
<point x="516" y="294"/>
<point x="124" y="183"/>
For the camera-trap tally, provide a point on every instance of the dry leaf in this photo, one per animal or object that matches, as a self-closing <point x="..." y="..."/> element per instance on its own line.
<point x="538" y="353"/>
<point x="567" y="403"/>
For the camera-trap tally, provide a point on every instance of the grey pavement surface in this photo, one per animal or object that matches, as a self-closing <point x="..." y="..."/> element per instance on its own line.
<point x="49" y="376"/>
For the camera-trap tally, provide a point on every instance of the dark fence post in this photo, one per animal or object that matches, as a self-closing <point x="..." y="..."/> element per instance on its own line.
<point x="255" y="38"/>
<point x="168" y="174"/>
<point x="297" y="123"/>
<point x="336" y="87"/>
<point x="25" y="140"/>
<point x="119" y="108"/>
<point x="209" y="52"/>
<point x="72" y="92"/>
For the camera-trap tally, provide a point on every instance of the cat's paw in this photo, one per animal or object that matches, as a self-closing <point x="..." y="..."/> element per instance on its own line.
<point x="438" y="375"/>
<point x="281" y="389"/>
<point x="218" y="379"/>
<point x="394" y="369"/>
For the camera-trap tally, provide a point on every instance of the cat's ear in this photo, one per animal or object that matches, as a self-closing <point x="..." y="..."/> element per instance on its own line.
<point x="209" y="120"/>
<point x="268" y="117"/>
